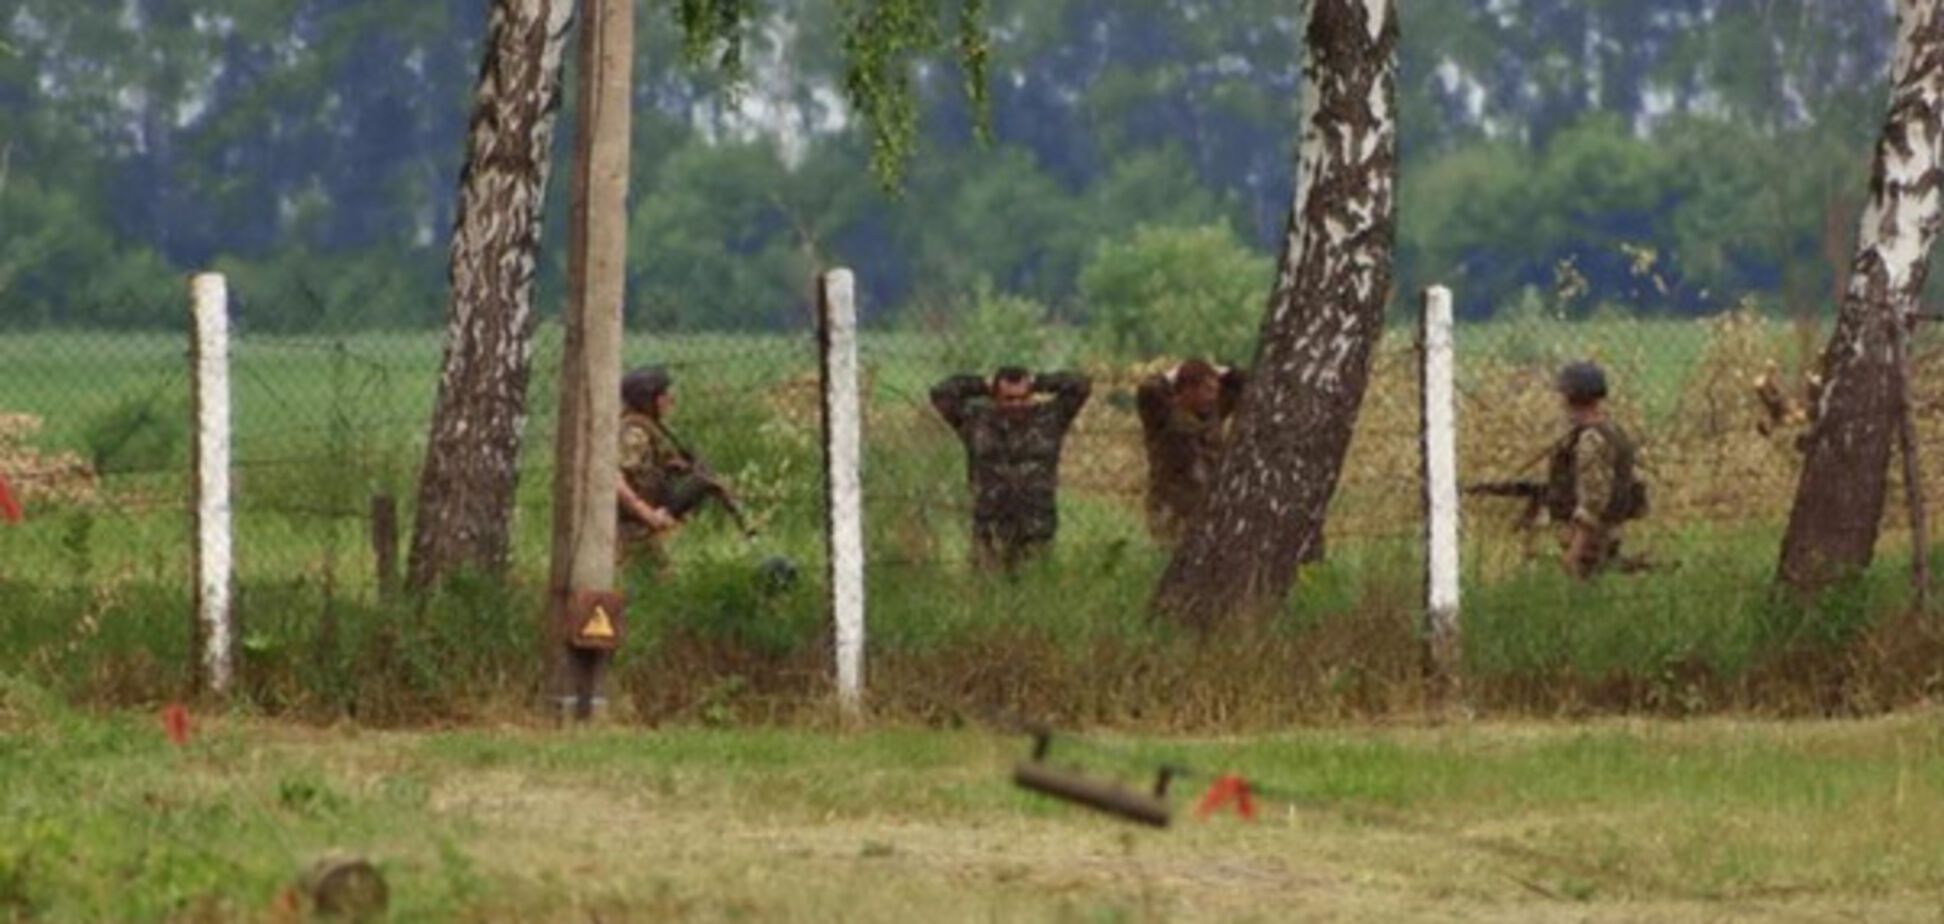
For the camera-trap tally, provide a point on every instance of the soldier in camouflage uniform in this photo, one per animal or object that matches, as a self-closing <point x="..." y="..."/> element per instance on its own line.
<point x="1012" y="442"/>
<point x="650" y="462"/>
<point x="1591" y="488"/>
<point x="1184" y="428"/>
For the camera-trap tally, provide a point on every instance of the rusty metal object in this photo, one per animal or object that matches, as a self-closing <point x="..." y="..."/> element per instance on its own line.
<point x="1071" y="786"/>
<point x="342" y="885"/>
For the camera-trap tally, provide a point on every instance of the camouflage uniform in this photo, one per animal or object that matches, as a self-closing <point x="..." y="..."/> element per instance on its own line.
<point x="1012" y="461"/>
<point x="649" y="463"/>
<point x="1183" y="449"/>
<point x="1591" y="484"/>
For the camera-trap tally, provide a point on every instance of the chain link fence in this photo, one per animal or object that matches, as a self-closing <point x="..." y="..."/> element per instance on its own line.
<point x="95" y="434"/>
<point x="1718" y="406"/>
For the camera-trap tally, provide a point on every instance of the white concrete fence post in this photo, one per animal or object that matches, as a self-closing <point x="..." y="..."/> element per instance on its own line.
<point x="1439" y="442"/>
<point x="843" y="479"/>
<point x="215" y="543"/>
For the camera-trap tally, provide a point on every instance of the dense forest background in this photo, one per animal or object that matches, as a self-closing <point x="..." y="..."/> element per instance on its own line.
<point x="1653" y="156"/>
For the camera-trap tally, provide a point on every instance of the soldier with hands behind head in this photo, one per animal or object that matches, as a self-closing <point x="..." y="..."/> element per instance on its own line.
<point x="1184" y="428"/>
<point x="1013" y="426"/>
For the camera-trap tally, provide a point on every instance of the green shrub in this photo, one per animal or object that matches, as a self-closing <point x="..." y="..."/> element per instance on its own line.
<point x="139" y="433"/>
<point x="1177" y="291"/>
<point x="1000" y="329"/>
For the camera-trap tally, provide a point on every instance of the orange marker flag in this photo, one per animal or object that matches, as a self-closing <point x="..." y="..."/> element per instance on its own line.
<point x="1226" y="789"/>
<point x="9" y="508"/>
<point x="175" y="723"/>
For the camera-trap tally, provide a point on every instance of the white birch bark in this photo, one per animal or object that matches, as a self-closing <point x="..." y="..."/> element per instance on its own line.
<point x="1265" y="513"/>
<point x="1839" y="501"/>
<point x="471" y="467"/>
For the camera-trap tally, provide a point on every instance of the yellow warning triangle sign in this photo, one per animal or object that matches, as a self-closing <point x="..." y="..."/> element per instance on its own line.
<point x="598" y="625"/>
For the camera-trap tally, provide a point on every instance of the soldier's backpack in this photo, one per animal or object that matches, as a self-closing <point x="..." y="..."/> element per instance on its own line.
<point x="1629" y="500"/>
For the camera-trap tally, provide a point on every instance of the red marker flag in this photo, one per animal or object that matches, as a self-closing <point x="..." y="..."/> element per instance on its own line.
<point x="175" y="722"/>
<point x="9" y="508"/>
<point x="1226" y="789"/>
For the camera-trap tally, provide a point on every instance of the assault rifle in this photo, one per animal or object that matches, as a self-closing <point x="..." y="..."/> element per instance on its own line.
<point x="695" y="483"/>
<point x="1532" y="492"/>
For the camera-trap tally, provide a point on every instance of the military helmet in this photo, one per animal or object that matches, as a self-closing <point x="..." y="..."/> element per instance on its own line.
<point x="1582" y="381"/>
<point x="640" y="388"/>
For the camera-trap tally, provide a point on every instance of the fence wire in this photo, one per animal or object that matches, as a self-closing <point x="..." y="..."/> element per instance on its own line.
<point x="95" y="441"/>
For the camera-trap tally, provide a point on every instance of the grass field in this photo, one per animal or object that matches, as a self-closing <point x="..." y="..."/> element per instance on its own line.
<point x="103" y="819"/>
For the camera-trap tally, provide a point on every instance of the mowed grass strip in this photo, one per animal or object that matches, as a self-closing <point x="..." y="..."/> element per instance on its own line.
<point x="103" y="819"/>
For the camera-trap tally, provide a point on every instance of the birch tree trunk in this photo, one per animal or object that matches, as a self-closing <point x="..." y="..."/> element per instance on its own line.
<point x="1839" y="500"/>
<point x="1265" y="513"/>
<point x="465" y="499"/>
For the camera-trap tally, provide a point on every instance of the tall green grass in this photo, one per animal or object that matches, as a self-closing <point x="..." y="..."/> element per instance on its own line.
<point x="1069" y="638"/>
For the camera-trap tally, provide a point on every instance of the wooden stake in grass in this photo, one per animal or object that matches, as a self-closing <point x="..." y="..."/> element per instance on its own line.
<point x="384" y="543"/>
<point x="1439" y="446"/>
<point x="843" y="479"/>
<point x="215" y="562"/>
<point x="1912" y="474"/>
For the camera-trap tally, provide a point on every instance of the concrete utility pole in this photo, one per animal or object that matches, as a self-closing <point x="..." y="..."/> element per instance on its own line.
<point x="581" y="589"/>
<point x="843" y="425"/>
<point x="1438" y="444"/>
<point x="215" y="537"/>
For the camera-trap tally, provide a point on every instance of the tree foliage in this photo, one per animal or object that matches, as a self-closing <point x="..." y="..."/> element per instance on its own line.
<point x="157" y="136"/>
<point x="1177" y="291"/>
